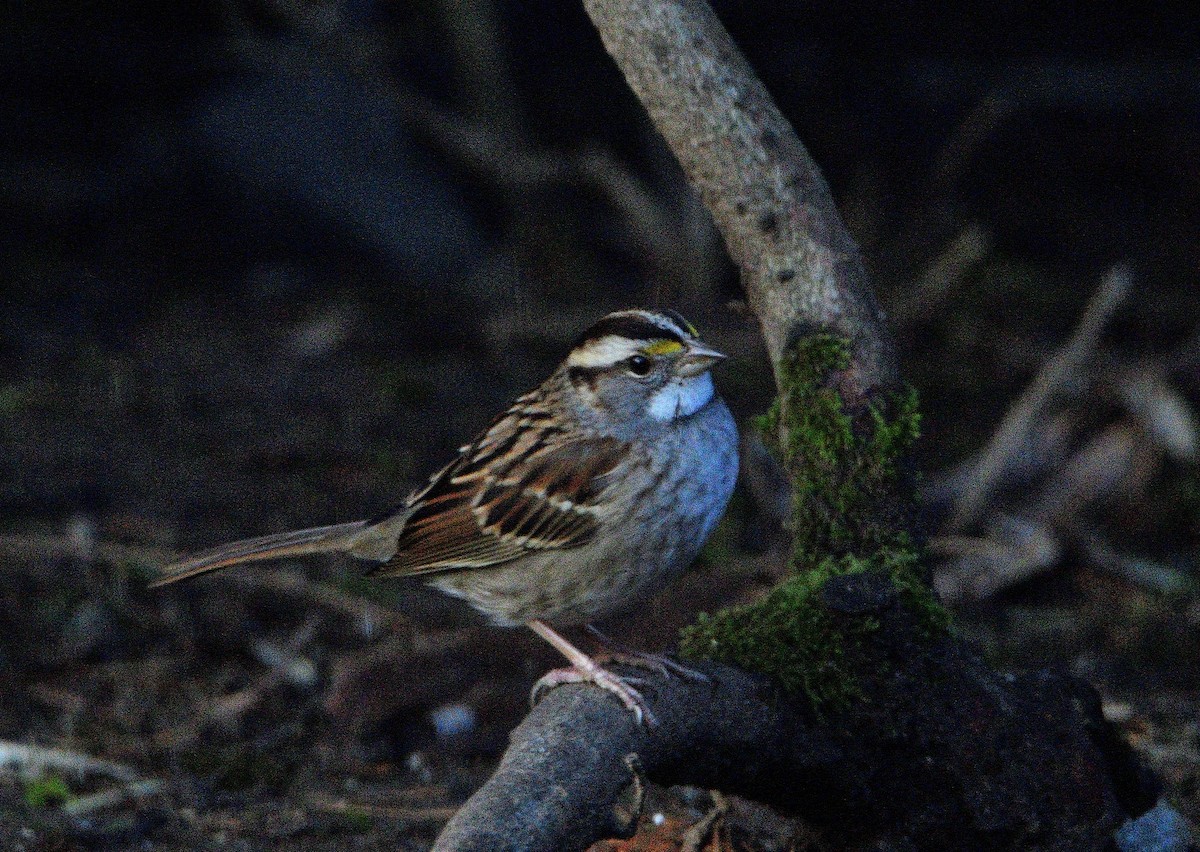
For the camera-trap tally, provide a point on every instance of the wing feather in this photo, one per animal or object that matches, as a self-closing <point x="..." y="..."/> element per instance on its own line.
<point x="521" y="487"/>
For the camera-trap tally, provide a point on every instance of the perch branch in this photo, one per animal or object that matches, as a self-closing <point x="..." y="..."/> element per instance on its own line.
<point x="747" y="739"/>
<point x="941" y="753"/>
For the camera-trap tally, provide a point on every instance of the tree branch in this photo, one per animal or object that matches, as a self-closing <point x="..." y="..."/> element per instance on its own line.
<point x="941" y="753"/>
<point x="800" y="267"/>
<point x="585" y="788"/>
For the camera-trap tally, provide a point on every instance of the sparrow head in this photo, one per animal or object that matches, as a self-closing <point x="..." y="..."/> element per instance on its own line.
<point x="643" y="366"/>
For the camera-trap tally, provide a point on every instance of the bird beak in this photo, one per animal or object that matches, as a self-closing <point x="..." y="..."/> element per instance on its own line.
<point x="698" y="359"/>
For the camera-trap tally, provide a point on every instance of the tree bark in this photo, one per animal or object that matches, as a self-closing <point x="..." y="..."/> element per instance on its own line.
<point x="800" y="267"/>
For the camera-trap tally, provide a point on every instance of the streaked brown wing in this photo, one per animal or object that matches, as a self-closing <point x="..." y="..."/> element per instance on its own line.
<point x="550" y="501"/>
<point x="520" y="487"/>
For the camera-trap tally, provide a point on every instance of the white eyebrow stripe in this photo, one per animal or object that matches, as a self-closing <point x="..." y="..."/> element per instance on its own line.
<point x="604" y="352"/>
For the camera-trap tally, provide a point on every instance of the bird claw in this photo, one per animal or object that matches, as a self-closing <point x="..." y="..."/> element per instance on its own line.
<point x="621" y="687"/>
<point x="660" y="664"/>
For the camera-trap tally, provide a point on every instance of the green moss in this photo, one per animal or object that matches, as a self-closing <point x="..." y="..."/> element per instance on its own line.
<point x="789" y="635"/>
<point x="844" y="473"/>
<point x="932" y="619"/>
<point x="846" y="469"/>
<point x="46" y="791"/>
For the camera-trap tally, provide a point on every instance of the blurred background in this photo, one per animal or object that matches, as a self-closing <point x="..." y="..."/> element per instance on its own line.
<point x="267" y="264"/>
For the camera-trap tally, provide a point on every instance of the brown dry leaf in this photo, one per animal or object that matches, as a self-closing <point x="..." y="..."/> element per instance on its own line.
<point x="665" y="835"/>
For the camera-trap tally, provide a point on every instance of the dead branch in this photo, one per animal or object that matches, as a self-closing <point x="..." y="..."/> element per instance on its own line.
<point x="1064" y="365"/>
<point x="942" y="276"/>
<point x="429" y="815"/>
<point x="111" y="797"/>
<point x="33" y="760"/>
<point x="236" y="704"/>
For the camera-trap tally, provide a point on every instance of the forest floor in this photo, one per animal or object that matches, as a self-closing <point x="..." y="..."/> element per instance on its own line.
<point x="298" y="704"/>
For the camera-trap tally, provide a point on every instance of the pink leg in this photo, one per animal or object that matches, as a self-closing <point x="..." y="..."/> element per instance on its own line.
<point x="586" y="670"/>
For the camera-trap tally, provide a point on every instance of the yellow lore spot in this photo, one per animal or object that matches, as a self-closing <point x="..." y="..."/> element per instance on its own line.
<point x="662" y="347"/>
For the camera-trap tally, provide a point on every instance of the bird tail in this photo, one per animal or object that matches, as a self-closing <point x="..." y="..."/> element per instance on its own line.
<point x="338" y="538"/>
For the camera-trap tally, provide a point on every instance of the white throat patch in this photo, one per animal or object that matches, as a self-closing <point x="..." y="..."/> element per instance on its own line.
<point x="681" y="397"/>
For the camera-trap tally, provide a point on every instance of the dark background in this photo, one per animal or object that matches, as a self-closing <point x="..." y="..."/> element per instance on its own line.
<point x="267" y="264"/>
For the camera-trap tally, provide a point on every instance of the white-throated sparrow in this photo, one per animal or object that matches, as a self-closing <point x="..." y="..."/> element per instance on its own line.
<point x="588" y="494"/>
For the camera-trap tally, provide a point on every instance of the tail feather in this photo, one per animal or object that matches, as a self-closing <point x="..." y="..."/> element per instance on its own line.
<point x="332" y="539"/>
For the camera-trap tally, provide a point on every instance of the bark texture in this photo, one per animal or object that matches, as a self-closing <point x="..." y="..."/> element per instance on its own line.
<point x="800" y="267"/>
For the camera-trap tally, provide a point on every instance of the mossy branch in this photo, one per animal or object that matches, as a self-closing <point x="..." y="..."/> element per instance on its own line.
<point x="846" y="459"/>
<point x="850" y="490"/>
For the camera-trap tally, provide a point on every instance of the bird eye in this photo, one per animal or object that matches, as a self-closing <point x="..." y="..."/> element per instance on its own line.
<point x="638" y="365"/>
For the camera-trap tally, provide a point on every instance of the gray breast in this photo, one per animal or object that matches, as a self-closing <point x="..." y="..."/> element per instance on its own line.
<point x="696" y="471"/>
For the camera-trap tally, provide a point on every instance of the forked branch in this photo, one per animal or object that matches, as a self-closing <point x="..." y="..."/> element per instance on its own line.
<point x="937" y="750"/>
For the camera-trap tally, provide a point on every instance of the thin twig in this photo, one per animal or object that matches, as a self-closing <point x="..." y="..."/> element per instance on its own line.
<point x="1057" y="371"/>
<point x="1147" y="574"/>
<point x="112" y="796"/>
<point x="32" y="759"/>
<point x="696" y="836"/>
<point x="981" y="122"/>
<point x="435" y="814"/>
<point x="942" y="275"/>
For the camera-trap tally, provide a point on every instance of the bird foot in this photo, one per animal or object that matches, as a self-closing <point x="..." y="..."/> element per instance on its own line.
<point x="621" y="687"/>
<point x="660" y="664"/>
